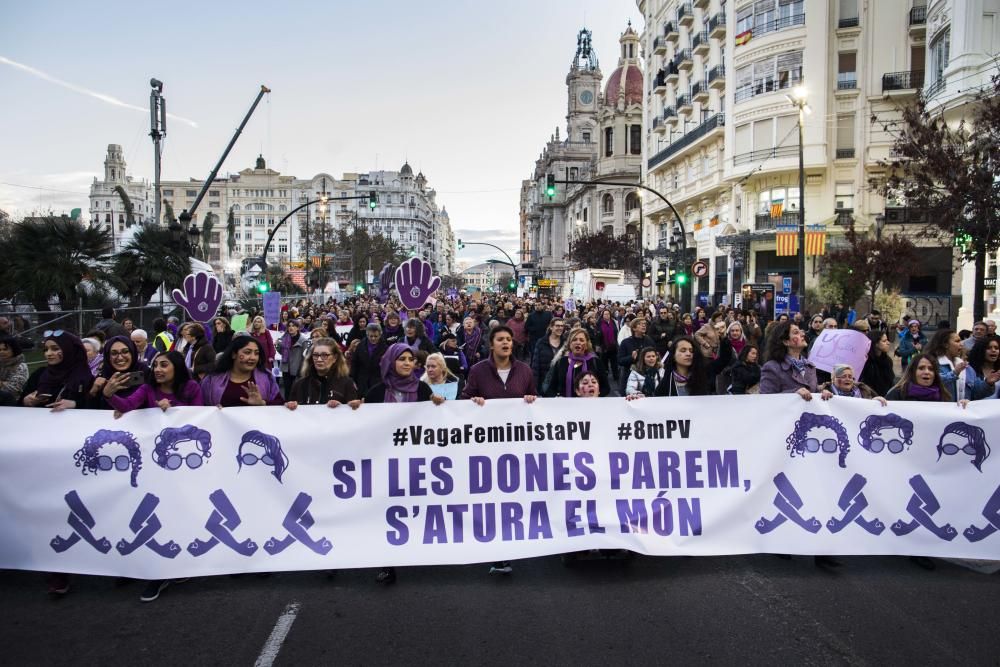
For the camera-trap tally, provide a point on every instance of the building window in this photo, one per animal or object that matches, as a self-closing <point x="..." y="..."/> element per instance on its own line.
<point x="609" y="141"/>
<point x="635" y="139"/>
<point x="191" y="193"/>
<point x="283" y="249"/>
<point x="768" y="75"/>
<point x="845" y="136"/>
<point x="214" y="204"/>
<point x="787" y="197"/>
<point x="168" y="193"/>
<point x="607" y="205"/>
<point x="107" y="217"/>
<point x="213" y="193"/>
<point x="940" y="53"/>
<point x="107" y="203"/>
<point x="631" y="201"/>
<point x="844" y="197"/>
<point x="847" y="71"/>
<point x="586" y="137"/>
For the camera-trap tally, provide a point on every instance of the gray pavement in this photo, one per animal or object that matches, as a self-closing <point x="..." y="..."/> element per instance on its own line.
<point x="726" y="610"/>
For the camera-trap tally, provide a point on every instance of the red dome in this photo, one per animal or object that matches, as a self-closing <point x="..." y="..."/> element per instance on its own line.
<point x="633" y="86"/>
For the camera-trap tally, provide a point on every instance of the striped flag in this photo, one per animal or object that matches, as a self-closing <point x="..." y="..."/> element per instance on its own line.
<point x="777" y="207"/>
<point x="744" y="37"/>
<point x="697" y="226"/>
<point x="787" y="240"/>
<point x="298" y="277"/>
<point x="816" y="243"/>
<point x="714" y="221"/>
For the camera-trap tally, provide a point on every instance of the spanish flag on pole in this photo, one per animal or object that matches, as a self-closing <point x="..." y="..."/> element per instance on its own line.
<point x="744" y="37"/>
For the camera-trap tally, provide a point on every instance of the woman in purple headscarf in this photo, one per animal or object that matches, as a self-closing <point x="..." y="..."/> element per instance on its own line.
<point x="120" y="356"/>
<point x="65" y="379"/>
<point x="399" y="385"/>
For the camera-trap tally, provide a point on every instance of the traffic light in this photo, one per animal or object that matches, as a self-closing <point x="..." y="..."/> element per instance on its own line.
<point x="511" y="286"/>
<point x="550" y="186"/>
<point x="372" y="199"/>
<point x="647" y="272"/>
<point x="359" y="288"/>
<point x="262" y="286"/>
<point x="681" y="278"/>
<point x="661" y="276"/>
<point x="461" y="246"/>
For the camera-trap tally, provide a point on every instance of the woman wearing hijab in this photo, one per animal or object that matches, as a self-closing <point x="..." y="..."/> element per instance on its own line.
<point x="120" y="357"/>
<point x="399" y="385"/>
<point x="576" y="357"/>
<point x="65" y="380"/>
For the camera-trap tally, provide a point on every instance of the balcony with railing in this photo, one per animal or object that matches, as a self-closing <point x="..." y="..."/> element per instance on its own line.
<point x="683" y="105"/>
<point x="670" y="73"/>
<point x="717" y="26"/>
<point x="850" y="22"/>
<point x="910" y="80"/>
<point x="659" y="46"/>
<point x="670" y="116"/>
<point x="717" y="121"/>
<point x="699" y="92"/>
<point x="685" y="15"/>
<point x="658" y="126"/>
<point x="660" y="82"/>
<point x="764" y="222"/>
<point x="670" y="32"/>
<point x="845" y="217"/>
<point x="699" y="43"/>
<point x="717" y="77"/>
<point x="766" y="154"/>
<point x="845" y="153"/>
<point x="765" y="86"/>
<point x="847" y="80"/>
<point x="918" y="15"/>
<point x="701" y="4"/>
<point x="779" y="24"/>
<point x="683" y="60"/>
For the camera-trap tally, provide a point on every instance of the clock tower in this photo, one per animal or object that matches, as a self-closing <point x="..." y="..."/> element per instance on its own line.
<point x="583" y="85"/>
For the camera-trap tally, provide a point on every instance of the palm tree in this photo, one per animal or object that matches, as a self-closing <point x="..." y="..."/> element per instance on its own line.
<point x="231" y="232"/>
<point x="206" y="233"/>
<point x="149" y="260"/>
<point x="55" y="256"/>
<point x="127" y="203"/>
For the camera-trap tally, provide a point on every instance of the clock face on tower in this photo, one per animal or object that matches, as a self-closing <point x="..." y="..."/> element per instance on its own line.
<point x="586" y="97"/>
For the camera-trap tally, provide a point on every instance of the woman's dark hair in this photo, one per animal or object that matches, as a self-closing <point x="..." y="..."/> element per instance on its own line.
<point x="503" y="328"/>
<point x="745" y="352"/>
<point x="938" y="345"/>
<point x="181" y="372"/>
<point x="776" y="340"/>
<point x="224" y="320"/>
<point x="977" y="356"/>
<point x="579" y="378"/>
<point x="12" y="343"/>
<point x="640" y="359"/>
<point x="909" y="376"/>
<point x="875" y="336"/>
<point x="196" y="330"/>
<point x="225" y="363"/>
<point x="698" y="375"/>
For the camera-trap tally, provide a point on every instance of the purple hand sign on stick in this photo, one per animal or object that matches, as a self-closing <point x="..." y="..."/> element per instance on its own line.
<point x="416" y="283"/>
<point x="201" y="296"/>
<point x="384" y="283"/>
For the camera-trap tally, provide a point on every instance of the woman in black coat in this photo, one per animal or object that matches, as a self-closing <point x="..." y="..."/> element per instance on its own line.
<point x="878" y="372"/>
<point x="579" y="352"/>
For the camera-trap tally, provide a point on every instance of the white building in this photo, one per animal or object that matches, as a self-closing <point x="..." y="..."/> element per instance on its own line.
<point x="107" y="208"/>
<point x="962" y="41"/>
<point x="603" y="140"/>
<point x="722" y="139"/>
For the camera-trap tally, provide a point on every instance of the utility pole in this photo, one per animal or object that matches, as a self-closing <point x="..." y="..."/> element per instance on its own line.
<point x="157" y="130"/>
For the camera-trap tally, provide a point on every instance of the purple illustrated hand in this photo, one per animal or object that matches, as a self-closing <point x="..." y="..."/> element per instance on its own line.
<point x="201" y="296"/>
<point x="416" y="283"/>
<point x="384" y="283"/>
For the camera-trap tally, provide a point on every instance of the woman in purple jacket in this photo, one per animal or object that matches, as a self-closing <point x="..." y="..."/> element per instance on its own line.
<point x="240" y="377"/>
<point x="786" y="370"/>
<point x="168" y="384"/>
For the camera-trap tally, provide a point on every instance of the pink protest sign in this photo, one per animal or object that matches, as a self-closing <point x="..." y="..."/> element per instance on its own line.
<point x="840" y="346"/>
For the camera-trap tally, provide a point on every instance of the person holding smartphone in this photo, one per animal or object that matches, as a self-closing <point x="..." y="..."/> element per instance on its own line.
<point x="121" y="357"/>
<point x="168" y="384"/>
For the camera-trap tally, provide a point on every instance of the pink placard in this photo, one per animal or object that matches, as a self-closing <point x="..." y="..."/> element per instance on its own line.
<point x="840" y="346"/>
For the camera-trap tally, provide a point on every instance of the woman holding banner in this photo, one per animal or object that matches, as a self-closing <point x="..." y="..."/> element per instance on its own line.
<point x="921" y="381"/>
<point x="575" y="358"/>
<point x="442" y="381"/>
<point x="786" y="371"/>
<point x="686" y="372"/>
<point x="399" y="385"/>
<point x="240" y="377"/>
<point x="325" y="378"/>
<point x="843" y="384"/>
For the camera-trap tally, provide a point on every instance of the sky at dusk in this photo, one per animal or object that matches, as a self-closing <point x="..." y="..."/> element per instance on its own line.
<point x="468" y="92"/>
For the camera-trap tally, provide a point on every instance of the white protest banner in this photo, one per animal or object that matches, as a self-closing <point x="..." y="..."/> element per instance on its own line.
<point x="200" y="491"/>
<point x="840" y="346"/>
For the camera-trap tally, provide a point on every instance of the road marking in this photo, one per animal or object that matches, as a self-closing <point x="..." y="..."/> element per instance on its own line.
<point x="269" y="653"/>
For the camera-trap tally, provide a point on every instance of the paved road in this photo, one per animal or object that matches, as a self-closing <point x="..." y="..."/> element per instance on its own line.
<point x="741" y="609"/>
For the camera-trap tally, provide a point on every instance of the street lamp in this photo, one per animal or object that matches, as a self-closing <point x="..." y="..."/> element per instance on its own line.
<point x="798" y="99"/>
<point x="879" y="226"/>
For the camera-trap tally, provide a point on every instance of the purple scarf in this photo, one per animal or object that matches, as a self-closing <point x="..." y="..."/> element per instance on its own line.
<point x="395" y="383"/>
<point x="608" y="333"/>
<point x="573" y="359"/>
<point x="921" y="393"/>
<point x="472" y="342"/>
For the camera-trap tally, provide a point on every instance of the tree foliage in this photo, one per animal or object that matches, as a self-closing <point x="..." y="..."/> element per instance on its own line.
<point x="206" y="233"/>
<point x="868" y="263"/>
<point x="55" y="256"/>
<point x="231" y="231"/>
<point x="149" y="260"/>
<point x="950" y="172"/>
<point x="127" y="203"/>
<point x="354" y="247"/>
<point x="604" y="251"/>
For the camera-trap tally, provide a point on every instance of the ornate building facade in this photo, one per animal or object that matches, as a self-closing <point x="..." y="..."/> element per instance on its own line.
<point x="107" y="207"/>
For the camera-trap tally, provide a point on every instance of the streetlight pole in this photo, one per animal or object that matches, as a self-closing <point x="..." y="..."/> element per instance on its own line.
<point x="798" y="98"/>
<point x="157" y="130"/>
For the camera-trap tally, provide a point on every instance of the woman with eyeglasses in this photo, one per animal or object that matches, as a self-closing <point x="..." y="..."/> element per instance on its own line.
<point x="844" y="384"/>
<point x="120" y="357"/>
<point x="168" y="384"/>
<point x="324" y="378"/>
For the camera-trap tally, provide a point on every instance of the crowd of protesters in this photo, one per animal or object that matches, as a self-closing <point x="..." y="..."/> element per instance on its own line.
<point x="480" y="349"/>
